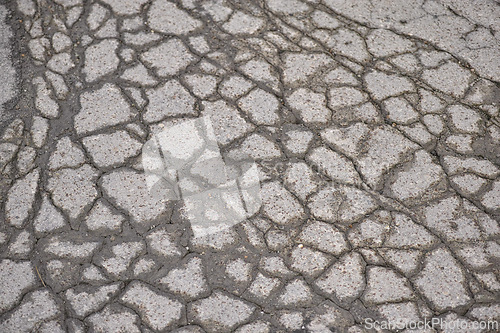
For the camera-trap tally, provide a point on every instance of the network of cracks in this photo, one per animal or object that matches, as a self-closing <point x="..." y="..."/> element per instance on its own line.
<point x="375" y="132"/>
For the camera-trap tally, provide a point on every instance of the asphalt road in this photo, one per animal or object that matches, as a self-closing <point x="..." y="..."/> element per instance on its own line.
<point x="249" y="166"/>
<point x="7" y="71"/>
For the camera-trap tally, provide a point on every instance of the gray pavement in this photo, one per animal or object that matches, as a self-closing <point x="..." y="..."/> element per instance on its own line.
<point x="7" y="71"/>
<point x="249" y="166"/>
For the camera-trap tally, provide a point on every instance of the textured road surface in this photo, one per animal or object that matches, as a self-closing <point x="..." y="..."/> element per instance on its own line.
<point x="7" y="71"/>
<point x="374" y="125"/>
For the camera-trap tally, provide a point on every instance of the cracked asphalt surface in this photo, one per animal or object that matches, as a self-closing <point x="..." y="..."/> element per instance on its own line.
<point x="375" y="126"/>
